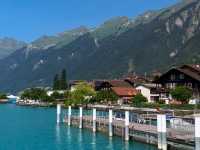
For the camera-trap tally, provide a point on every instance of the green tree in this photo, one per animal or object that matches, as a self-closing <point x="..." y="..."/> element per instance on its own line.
<point x="60" y="81"/>
<point x="67" y="94"/>
<point x="139" y="99"/>
<point x="181" y="93"/>
<point x="63" y="80"/>
<point x="82" y="94"/>
<point x="56" y="82"/>
<point x="105" y="96"/>
<point x="68" y="98"/>
<point x="3" y="96"/>
<point x="35" y="94"/>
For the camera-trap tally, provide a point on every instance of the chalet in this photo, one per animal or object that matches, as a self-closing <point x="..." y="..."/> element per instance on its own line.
<point x="97" y="84"/>
<point x="121" y="88"/>
<point x="134" y="79"/>
<point x="108" y="84"/>
<point x="153" y="93"/>
<point x="125" y="94"/>
<point x="186" y="75"/>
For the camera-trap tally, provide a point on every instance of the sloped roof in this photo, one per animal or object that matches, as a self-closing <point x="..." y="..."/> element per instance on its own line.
<point x="138" y="78"/>
<point x="119" y="83"/>
<point x="154" y="87"/>
<point x="123" y="91"/>
<point x="192" y="71"/>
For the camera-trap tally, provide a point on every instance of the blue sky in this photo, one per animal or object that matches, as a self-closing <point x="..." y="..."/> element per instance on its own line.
<point x="29" y="19"/>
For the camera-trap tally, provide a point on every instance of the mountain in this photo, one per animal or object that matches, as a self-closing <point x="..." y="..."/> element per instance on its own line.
<point x="9" y="45"/>
<point x="153" y="40"/>
<point x="115" y="25"/>
<point x="46" y="42"/>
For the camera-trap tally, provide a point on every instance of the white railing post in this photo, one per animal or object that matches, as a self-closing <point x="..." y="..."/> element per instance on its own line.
<point x="197" y="132"/>
<point x="69" y="115"/>
<point x="127" y="125"/>
<point x="110" y="123"/>
<point x="94" y="120"/>
<point x="162" y="129"/>
<point x="58" y="112"/>
<point x="81" y="117"/>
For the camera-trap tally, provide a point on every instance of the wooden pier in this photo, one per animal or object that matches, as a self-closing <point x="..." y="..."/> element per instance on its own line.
<point x="139" y="131"/>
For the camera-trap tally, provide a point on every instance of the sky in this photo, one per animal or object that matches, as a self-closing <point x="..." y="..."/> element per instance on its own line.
<point x="27" y="20"/>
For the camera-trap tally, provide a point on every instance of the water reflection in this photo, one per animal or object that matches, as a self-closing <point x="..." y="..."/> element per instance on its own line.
<point x="80" y="139"/>
<point x="126" y="147"/>
<point x="58" y="138"/>
<point x="69" y="138"/>
<point x="110" y="146"/>
<point x="94" y="142"/>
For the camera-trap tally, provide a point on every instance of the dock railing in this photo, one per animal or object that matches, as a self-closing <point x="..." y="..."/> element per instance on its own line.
<point x="149" y="128"/>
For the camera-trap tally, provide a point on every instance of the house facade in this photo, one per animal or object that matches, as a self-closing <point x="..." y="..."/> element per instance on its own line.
<point x="153" y="93"/>
<point x="186" y="75"/>
<point x="108" y="84"/>
<point x="125" y="94"/>
<point x="124" y="90"/>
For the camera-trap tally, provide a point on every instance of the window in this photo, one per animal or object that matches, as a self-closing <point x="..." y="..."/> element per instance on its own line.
<point x="182" y="76"/>
<point x="173" y="77"/>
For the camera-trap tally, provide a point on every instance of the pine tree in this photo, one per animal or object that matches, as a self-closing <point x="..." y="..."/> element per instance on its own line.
<point x="63" y="80"/>
<point x="56" y="82"/>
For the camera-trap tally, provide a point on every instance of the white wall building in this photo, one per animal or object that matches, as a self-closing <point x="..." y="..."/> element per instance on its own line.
<point x="145" y="92"/>
<point x="152" y="93"/>
<point x="49" y="93"/>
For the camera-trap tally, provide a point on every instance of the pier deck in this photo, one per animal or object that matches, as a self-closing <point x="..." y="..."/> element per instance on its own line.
<point x="172" y="134"/>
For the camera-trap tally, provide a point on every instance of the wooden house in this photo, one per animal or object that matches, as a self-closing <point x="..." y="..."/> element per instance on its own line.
<point x="186" y="75"/>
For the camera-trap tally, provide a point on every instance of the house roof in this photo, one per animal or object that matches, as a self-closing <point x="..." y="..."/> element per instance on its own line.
<point x="119" y="83"/>
<point x="149" y="86"/>
<point x="194" y="66"/>
<point x="124" y="91"/>
<point x="137" y="78"/>
<point x="192" y="71"/>
<point x="97" y="83"/>
<point x="154" y="87"/>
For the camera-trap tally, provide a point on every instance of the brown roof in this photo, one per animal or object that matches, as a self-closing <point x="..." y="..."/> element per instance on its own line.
<point x="194" y="66"/>
<point x="126" y="92"/>
<point x="119" y="83"/>
<point x="191" y="70"/>
<point x="137" y="79"/>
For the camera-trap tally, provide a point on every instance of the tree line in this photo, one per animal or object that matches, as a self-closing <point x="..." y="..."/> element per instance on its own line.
<point x="82" y="94"/>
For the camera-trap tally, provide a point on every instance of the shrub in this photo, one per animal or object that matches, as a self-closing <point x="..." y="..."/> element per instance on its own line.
<point x="3" y="96"/>
<point x="82" y="94"/>
<point x="181" y="93"/>
<point x="139" y="99"/>
<point x="105" y="96"/>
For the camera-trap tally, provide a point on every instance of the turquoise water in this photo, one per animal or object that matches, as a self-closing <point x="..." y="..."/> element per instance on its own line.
<point x="26" y="128"/>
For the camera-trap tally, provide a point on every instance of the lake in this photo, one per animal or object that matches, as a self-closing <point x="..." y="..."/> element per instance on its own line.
<point x="27" y="128"/>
